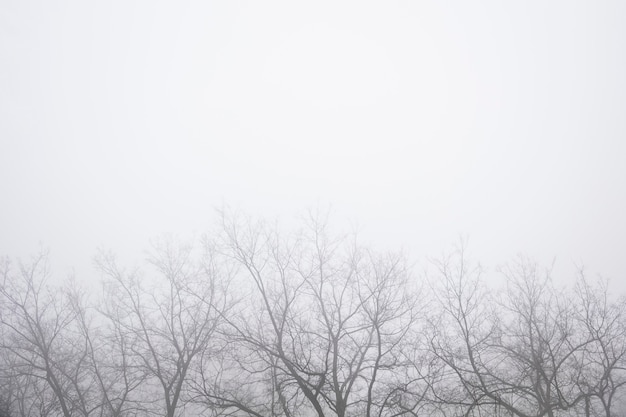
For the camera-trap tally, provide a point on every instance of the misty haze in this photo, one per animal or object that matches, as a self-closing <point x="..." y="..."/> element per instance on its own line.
<point x="331" y="209"/>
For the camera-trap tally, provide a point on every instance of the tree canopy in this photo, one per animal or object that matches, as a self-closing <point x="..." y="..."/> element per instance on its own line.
<point x="254" y="321"/>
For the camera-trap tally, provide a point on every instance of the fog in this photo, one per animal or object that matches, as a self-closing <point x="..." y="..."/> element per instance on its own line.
<point x="414" y="122"/>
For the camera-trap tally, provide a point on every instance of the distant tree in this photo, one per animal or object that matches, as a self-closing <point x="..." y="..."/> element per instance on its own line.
<point x="164" y="323"/>
<point x="49" y="367"/>
<point x="519" y="353"/>
<point x="461" y="324"/>
<point x="602" y="366"/>
<point x="322" y="331"/>
<point x="107" y="348"/>
<point x="261" y="323"/>
<point x="543" y="345"/>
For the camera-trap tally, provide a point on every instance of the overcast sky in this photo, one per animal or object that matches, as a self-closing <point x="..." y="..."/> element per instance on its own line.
<point x="504" y="121"/>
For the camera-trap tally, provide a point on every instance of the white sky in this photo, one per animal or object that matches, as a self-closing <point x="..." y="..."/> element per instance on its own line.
<point x="420" y="121"/>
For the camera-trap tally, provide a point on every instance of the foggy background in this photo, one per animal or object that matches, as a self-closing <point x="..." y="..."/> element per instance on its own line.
<point x="416" y="122"/>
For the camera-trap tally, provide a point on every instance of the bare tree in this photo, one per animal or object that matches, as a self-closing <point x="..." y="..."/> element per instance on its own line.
<point x="517" y="353"/>
<point x="461" y="325"/>
<point x="542" y="342"/>
<point x="107" y="347"/>
<point x="262" y="323"/>
<point x="164" y="324"/>
<point x="49" y="369"/>
<point x="323" y="327"/>
<point x="602" y="366"/>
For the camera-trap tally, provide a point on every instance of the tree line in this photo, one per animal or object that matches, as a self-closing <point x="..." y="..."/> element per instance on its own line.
<point x="258" y="322"/>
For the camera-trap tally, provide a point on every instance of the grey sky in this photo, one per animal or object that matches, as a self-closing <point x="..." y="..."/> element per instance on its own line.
<point x="420" y="121"/>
